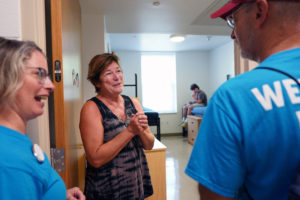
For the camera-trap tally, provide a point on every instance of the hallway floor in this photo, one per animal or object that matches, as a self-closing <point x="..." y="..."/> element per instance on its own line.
<point x="179" y="185"/>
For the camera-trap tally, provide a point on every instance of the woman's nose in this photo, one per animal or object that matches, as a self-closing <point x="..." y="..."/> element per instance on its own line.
<point x="115" y="76"/>
<point x="49" y="84"/>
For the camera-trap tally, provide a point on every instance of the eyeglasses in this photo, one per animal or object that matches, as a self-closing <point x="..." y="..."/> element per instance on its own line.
<point x="230" y="18"/>
<point x="41" y="73"/>
<point x="230" y="21"/>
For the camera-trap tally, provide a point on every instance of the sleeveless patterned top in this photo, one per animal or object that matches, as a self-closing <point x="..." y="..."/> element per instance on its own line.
<point x="126" y="177"/>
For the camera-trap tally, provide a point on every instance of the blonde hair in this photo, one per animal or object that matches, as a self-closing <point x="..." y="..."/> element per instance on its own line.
<point x="13" y="57"/>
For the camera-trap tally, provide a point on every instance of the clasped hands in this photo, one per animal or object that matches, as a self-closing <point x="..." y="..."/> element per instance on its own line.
<point x="138" y="123"/>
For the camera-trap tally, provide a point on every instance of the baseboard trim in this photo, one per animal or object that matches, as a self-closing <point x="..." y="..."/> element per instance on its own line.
<point x="171" y="134"/>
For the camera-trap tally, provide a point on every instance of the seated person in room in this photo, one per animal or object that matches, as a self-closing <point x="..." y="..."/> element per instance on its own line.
<point x="199" y="99"/>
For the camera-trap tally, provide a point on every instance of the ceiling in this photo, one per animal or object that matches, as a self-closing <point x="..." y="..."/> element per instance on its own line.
<point x="138" y="25"/>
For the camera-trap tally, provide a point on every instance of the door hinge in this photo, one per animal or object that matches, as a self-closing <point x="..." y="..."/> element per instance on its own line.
<point x="58" y="159"/>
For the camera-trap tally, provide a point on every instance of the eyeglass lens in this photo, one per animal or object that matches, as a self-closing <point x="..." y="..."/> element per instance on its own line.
<point x="230" y="19"/>
<point x="42" y="74"/>
<point x="230" y="22"/>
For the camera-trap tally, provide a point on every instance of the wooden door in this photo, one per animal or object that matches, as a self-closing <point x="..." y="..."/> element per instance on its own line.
<point x="63" y="22"/>
<point x="242" y="65"/>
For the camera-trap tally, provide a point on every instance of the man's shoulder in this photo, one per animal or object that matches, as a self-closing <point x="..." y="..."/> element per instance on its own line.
<point x="240" y="84"/>
<point x="201" y="92"/>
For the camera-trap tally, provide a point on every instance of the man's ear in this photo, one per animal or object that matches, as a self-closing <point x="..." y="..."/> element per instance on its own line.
<point x="261" y="11"/>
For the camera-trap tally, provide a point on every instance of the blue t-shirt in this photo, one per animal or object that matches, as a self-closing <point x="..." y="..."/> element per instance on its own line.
<point x="22" y="176"/>
<point x="250" y="134"/>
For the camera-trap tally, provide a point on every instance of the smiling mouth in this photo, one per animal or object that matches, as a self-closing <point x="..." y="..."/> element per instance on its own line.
<point x="118" y="84"/>
<point x="40" y="98"/>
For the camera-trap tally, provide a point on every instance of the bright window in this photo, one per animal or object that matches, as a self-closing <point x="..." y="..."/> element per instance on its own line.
<point x="159" y="82"/>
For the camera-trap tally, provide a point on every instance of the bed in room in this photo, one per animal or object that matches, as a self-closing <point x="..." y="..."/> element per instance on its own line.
<point x="199" y="111"/>
<point x="153" y="120"/>
<point x="153" y="116"/>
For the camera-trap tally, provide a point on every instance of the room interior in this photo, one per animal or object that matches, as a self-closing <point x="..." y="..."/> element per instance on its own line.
<point x="127" y="27"/>
<point x="205" y="57"/>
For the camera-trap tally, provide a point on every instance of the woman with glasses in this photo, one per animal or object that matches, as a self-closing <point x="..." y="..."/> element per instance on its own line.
<point x="25" y="173"/>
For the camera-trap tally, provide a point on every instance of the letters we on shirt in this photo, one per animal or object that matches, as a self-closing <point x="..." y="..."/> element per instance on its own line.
<point x="269" y="96"/>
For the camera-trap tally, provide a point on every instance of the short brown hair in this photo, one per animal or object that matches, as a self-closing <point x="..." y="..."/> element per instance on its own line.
<point x="98" y="64"/>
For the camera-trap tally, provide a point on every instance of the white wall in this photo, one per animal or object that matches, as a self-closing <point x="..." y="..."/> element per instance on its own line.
<point x="221" y="63"/>
<point x="93" y="43"/>
<point x="10" y="25"/>
<point x="130" y="62"/>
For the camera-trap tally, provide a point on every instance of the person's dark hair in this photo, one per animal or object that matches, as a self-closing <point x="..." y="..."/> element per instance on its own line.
<point x="194" y="86"/>
<point x="14" y="55"/>
<point x="98" y="64"/>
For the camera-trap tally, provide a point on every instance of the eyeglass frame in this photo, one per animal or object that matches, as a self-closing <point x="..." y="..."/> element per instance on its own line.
<point x="230" y="20"/>
<point x="42" y="74"/>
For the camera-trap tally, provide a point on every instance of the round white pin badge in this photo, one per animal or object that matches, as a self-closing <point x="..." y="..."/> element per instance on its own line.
<point x="38" y="153"/>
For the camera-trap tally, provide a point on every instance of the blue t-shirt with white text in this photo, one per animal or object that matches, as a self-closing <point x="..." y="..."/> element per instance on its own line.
<point x="250" y="134"/>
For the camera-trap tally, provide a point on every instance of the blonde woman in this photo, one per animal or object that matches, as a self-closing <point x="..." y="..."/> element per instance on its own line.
<point x="25" y="171"/>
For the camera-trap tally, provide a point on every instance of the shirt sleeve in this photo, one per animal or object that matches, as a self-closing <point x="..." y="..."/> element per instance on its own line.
<point x="15" y="183"/>
<point x="201" y="96"/>
<point x="216" y="160"/>
<point x="198" y="97"/>
<point x="56" y="189"/>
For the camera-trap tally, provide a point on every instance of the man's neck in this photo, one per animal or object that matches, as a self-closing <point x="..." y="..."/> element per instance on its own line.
<point x="283" y="45"/>
<point x="288" y="37"/>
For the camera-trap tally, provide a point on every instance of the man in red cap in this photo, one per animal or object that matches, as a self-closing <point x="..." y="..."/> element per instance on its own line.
<point x="248" y="145"/>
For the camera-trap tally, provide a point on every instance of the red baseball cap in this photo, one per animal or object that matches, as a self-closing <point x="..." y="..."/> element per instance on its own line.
<point x="227" y="9"/>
